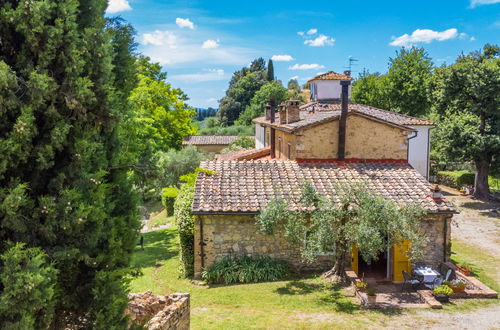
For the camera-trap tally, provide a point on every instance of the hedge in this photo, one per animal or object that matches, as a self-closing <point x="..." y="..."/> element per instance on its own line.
<point x="455" y="179"/>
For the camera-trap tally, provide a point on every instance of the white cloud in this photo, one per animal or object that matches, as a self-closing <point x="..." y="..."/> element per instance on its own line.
<point x="116" y="6"/>
<point x="212" y="100"/>
<point x="184" y="22"/>
<point x="300" y="33"/>
<point x="210" y="44"/>
<point x="312" y="31"/>
<point x="282" y="58"/>
<point x="294" y="78"/>
<point x="426" y="36"/>
<point x="205" y="75"/>
<point x="160" y="38"/>
<point x="472" y="39"/>
<point x="475" y="3"/>
<point x="320" y="41"/>
<point x="306" y="67"/>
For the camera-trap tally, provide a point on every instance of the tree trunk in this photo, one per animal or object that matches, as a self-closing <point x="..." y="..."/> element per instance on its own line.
<point x="481" y="187"/>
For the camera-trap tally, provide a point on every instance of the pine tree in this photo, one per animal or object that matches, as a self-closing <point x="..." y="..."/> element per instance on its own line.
<point x="62" y="189"/>
<point x="270" y="70"/>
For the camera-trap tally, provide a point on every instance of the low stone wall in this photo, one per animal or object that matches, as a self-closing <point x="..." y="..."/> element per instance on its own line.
<point x="156" y="312"/>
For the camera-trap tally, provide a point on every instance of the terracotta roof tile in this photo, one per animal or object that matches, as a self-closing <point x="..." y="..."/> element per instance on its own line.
<point x="247" y="154"/>
<point x="210" y="139"/>
<point x="331" y="75"/>
<point x="315" y="113"/>
<point x="247" y="186"/>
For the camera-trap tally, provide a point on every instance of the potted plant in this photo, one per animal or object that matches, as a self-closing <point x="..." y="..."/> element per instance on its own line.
<point x="458" y="286"/>
<point x="442" y="293"/>
<point x="361" y="286"/>
<point x="465" y="268"/>
<point x="371" y="294"/>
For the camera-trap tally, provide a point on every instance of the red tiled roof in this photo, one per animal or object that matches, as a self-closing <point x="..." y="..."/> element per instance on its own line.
<point x="247" y="186"/>
<point x="315" y="113"/>
<point x="247" y="154"/>
<point x="210" y="139"/>
<point x="331" y="75"/>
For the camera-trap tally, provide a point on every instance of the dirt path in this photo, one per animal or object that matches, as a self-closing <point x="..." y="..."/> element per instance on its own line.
<point x="476" y="224"/>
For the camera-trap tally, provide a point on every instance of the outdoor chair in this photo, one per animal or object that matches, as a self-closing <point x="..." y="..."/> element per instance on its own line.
<point x="409" y="281"/>
<point x="440" y="280"/>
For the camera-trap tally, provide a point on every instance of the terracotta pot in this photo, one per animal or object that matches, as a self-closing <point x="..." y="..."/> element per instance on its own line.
<point x="465" y="271"/>
<point x="458" y="289"/>
<point x="372" y="300"/>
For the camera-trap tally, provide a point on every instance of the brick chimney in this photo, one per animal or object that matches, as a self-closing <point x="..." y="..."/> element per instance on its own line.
<point x="267" y="111"/>
<point x="289" y="111"/>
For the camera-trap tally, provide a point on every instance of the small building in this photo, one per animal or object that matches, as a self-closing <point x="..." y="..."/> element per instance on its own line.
<point x="210" y="143"/>
<point x="368" y="128"/>
<point x="326" y="142"/>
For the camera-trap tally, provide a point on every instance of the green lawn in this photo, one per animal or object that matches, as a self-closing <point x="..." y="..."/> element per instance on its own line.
<point x="296" y="303"/>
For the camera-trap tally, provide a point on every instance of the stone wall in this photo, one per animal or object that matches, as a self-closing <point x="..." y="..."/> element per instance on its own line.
<point x="434" y="229"/>
<point x="237" y="235"/>
<point x="211" y="148"/>
<point x="365" y="138"/>
<point x="156" y="312"/>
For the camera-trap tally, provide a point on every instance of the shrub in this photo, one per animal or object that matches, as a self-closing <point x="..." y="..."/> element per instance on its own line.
<point x="242" y="143"/>
<point x="231" y="270"/>
<point x="185" y="221"/>
<point x="171" y="165"/>
<point x="168" y="197"/>
<point x="442" y="290"/>
<point x="455" y="179"/>
<point x="27" y="282"/>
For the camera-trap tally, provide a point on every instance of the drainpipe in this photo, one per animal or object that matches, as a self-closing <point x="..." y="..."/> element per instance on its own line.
<point x="272" y="103"/>
<point x="408" y="146"/>
<point x="202" y="244"/>
<point x="445" y="236"/>
<point x="343" y="118"/>
<point x="429" y="152"/>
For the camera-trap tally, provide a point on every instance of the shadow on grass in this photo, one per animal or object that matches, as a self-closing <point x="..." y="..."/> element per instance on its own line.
<point x="331" y="294"/>
<point x="158" y="246"/>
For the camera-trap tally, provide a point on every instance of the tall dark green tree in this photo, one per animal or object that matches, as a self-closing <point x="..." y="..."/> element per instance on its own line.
<point x="63" y="191"/>
<point x="242" y="87"/>
<point x="467" y="99"/>
<point x="270" y="70"/>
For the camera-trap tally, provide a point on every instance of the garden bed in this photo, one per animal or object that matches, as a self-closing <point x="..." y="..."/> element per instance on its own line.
<point x="474" y="288"/>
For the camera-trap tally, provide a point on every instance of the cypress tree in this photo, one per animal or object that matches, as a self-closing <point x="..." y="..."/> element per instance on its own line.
<point x="63" y="193"/>
<point x="270" y="70"/>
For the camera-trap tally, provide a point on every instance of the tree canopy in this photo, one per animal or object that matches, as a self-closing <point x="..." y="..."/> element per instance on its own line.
<point x="467" y="102"/>
<point x="242" y="87"/>
<point x="353" y="216"/>
<point x="67" y="209"/>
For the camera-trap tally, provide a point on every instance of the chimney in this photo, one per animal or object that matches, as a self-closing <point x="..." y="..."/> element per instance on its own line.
<point x="272" y="104"/>
<point x="289" y="111"/>
<point x="347" y="73"/>
<point x="267" y="112"/>
<point x="436" y="192"/>
<point x="282" y="112"/>
<point x="344" y="96"/>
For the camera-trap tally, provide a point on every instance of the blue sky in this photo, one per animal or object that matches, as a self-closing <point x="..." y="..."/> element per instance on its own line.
<point x="201" y="43"/>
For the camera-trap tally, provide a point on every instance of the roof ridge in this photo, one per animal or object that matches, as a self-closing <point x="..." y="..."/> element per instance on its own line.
<point x="391" y="112"/>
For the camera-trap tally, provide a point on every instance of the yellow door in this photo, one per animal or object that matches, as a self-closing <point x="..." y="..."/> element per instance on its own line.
<point x="354" y="259"/>
<point x="400" y="260"/>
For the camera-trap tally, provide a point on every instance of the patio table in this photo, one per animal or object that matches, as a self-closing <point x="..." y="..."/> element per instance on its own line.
<point x="427" y="274"/>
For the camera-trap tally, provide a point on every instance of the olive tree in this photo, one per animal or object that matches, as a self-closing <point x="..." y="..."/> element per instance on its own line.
<point x="353" y="216"/>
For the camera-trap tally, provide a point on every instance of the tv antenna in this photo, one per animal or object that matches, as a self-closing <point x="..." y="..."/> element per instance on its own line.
<point x="352" y="61"/>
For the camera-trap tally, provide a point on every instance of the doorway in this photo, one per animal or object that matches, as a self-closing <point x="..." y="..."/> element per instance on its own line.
<point x="377" y="268"/>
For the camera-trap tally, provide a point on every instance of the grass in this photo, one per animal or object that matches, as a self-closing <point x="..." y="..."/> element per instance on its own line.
<point x="304" y="303"/>
<point x="295" y="303"/>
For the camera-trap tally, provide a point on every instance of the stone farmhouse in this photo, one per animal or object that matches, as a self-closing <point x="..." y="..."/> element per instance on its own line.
<point x="325" y="142"/>
<point x="210" y="143"/>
